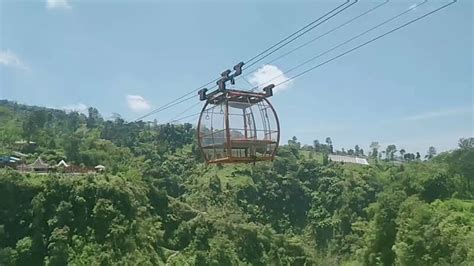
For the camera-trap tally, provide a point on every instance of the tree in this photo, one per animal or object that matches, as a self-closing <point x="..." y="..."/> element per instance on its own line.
<point x="58" y="247"/>
<point x="461" y="162"/>
<point x="409" y="156"/>
<point x="465" y="143"/>
<point x="71" y="148"/>
<point x="433" y="234"/>
<point x="381" y="232"/>
<point x="418" y="156"/>
<point x="329" y="145"/>
<point x="93" y="118"/>
<point x="402" y="153"/>
<point x="294" y="146"/>
<point x="325" y="159"/>
<point x="35" y="121"/>
<point x="374" y="146"/>
<point x="390" y="151"/>
<point x="294" y="141"/>
<point x="431" y="153"/>
<point x="215" y="184"/>
<point x="356" y="150"/>
<point x="328" y="141"/>
<point x="316" y="145"/>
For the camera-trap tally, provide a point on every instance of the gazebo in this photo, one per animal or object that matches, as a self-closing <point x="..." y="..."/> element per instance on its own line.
<point x="39" y="166"/>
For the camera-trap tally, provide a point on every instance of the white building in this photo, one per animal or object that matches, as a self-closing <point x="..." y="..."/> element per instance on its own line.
<point x="347" y="159"/>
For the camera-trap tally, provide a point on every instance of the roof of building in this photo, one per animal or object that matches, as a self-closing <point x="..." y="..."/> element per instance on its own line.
<point x="24" y="142"/>
<point x="9" y="159"/>
<point x="101" y="167"/>
<point x="62" y="163"/>
<point x="348" y="159"/>
<point x="17" y="153"/>
<point x="39" y="164"/>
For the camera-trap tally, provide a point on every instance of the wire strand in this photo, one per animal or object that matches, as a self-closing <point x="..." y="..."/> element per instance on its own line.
<point x="368" y="42"/>
<point x="167" y="107"/>
<point x="183" y="112"/>
<point x="177" y="101"/>
<point x="343" y="43"/>
<point x="293" y="34"/>
<point x="301" y="34"/>
<point x="188" y="116"/>
<point x="320" y="36"/>
<point x="174" y="102"/>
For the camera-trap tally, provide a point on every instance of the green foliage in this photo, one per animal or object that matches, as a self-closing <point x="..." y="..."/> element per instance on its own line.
<point x="381" y="231"/>
<point x="159" y="204"/>
<point x="439" y="233"/>
<point x="461" y="162"/>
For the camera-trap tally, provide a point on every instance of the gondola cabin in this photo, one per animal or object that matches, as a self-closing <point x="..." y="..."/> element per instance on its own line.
<point x="238" y="126"/>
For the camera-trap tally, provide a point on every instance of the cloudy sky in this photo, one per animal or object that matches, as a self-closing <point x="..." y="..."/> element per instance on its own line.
<point x="413" y="88"/>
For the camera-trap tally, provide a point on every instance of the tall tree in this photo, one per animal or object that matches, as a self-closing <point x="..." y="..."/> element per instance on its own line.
<point x="462" y="162"/>
<point x="430" y="153"/>
<point x="93" y="118"/>
<point x="316" y="145"/>
<point x="356" y="150"/>
<point x="402" y="153"/>
<point x="390" y="151"/>
<point x="465" y="143"/>
<point x="329" y="143"/>
<point x="409" y="156"/>
<point x="374" y="146"/>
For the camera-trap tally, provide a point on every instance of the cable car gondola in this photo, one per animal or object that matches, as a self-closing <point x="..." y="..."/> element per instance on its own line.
<point x="237" y="126"/>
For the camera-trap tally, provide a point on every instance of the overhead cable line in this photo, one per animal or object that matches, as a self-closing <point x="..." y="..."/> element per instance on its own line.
<point x="175" y="101"/>
<point x="167" y="107"/>
<point x="343" y="43"/>
<point x="183" y="112"/>
<point x="281" y="44"/>
<point x="188" y="116"/>
<point x="320" y="36"/>
<point x="366" y="43"/>
<point x="299" y="33"/>
<point x="353" y="49"/>
<point x="296" y="32"/>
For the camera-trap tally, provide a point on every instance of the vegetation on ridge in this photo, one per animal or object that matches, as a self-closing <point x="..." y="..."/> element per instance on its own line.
<point x="158" y="203"/>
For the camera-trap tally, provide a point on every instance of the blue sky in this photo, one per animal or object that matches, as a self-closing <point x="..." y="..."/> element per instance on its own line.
<point x="413" y="88"/>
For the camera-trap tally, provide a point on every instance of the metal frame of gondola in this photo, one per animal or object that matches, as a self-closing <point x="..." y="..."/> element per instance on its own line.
<point x="222" y="96"/>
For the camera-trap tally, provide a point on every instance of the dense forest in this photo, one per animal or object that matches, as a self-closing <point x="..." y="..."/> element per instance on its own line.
<point x="158" y="203"/>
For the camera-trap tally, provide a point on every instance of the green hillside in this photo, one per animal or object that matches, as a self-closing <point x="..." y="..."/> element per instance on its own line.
<point x="158" y="203"/>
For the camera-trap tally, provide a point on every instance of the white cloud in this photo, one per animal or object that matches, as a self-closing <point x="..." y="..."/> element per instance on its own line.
<point x="137" y="103"/>
<point x="440" y="113"/>
<point x="269" y="74"/>
<point x="7" y="58"/>
<point x="59" y="4"/>
<point x="78" y="107"/>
